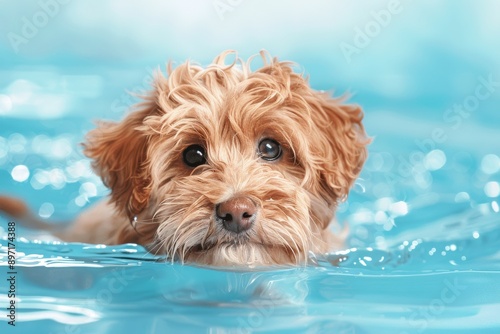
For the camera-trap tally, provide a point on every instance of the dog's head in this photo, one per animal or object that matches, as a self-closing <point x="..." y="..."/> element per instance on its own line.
<point x="224" y="165"/>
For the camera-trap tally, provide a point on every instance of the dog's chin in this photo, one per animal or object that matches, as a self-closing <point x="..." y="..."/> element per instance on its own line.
<point x="242" y="254"/>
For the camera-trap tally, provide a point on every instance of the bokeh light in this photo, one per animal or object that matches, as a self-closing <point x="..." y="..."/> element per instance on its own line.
<point x="46" y="210"/>
<point x="492" y="189"/>
<point x="17" y="143"/>
<point x="490" y="164"/>
<point x="435" y="160"/>
<point x="5" y="104"/>
<point x="4" y="148"/>
<point x="20" y="173"/>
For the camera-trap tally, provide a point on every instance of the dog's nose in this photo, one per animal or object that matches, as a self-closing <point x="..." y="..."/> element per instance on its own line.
<point x="237" y="214"/>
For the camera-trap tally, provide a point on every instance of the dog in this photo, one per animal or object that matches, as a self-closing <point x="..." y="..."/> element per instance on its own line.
<point x="222" y="165"/>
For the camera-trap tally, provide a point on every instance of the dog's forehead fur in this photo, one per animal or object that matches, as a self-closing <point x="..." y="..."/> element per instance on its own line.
<point x="224" y="100"/>
<point x="231" y="104"/>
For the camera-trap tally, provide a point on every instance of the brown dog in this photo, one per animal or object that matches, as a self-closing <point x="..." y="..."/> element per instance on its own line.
<point x="223" y="165"/>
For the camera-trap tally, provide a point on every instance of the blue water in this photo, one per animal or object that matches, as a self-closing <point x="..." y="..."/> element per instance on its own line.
<point x="423" y="251"/>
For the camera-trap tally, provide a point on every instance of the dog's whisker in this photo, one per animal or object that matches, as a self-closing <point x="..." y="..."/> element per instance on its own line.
<point x="146" y="222"/>
<point x="295" y="248"/>
<point x="155" y="248"/>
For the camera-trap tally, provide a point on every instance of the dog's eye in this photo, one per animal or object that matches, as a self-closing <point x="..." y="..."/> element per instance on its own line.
<point x="269" y="149"/>
<point x="194" y="156"/>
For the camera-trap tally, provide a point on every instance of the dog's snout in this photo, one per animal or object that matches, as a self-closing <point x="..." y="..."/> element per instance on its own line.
<point x="237" y="214"/>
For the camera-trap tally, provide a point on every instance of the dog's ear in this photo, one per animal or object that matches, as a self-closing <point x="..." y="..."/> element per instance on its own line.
<point x="339" y="144"/>
<point x="119" y="154"/>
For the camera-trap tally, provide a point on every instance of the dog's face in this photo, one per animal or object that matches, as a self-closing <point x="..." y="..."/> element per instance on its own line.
<point x="223" y="165"/>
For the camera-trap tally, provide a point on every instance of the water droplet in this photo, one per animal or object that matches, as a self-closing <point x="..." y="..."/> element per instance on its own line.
<point x="475" y="234"/>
